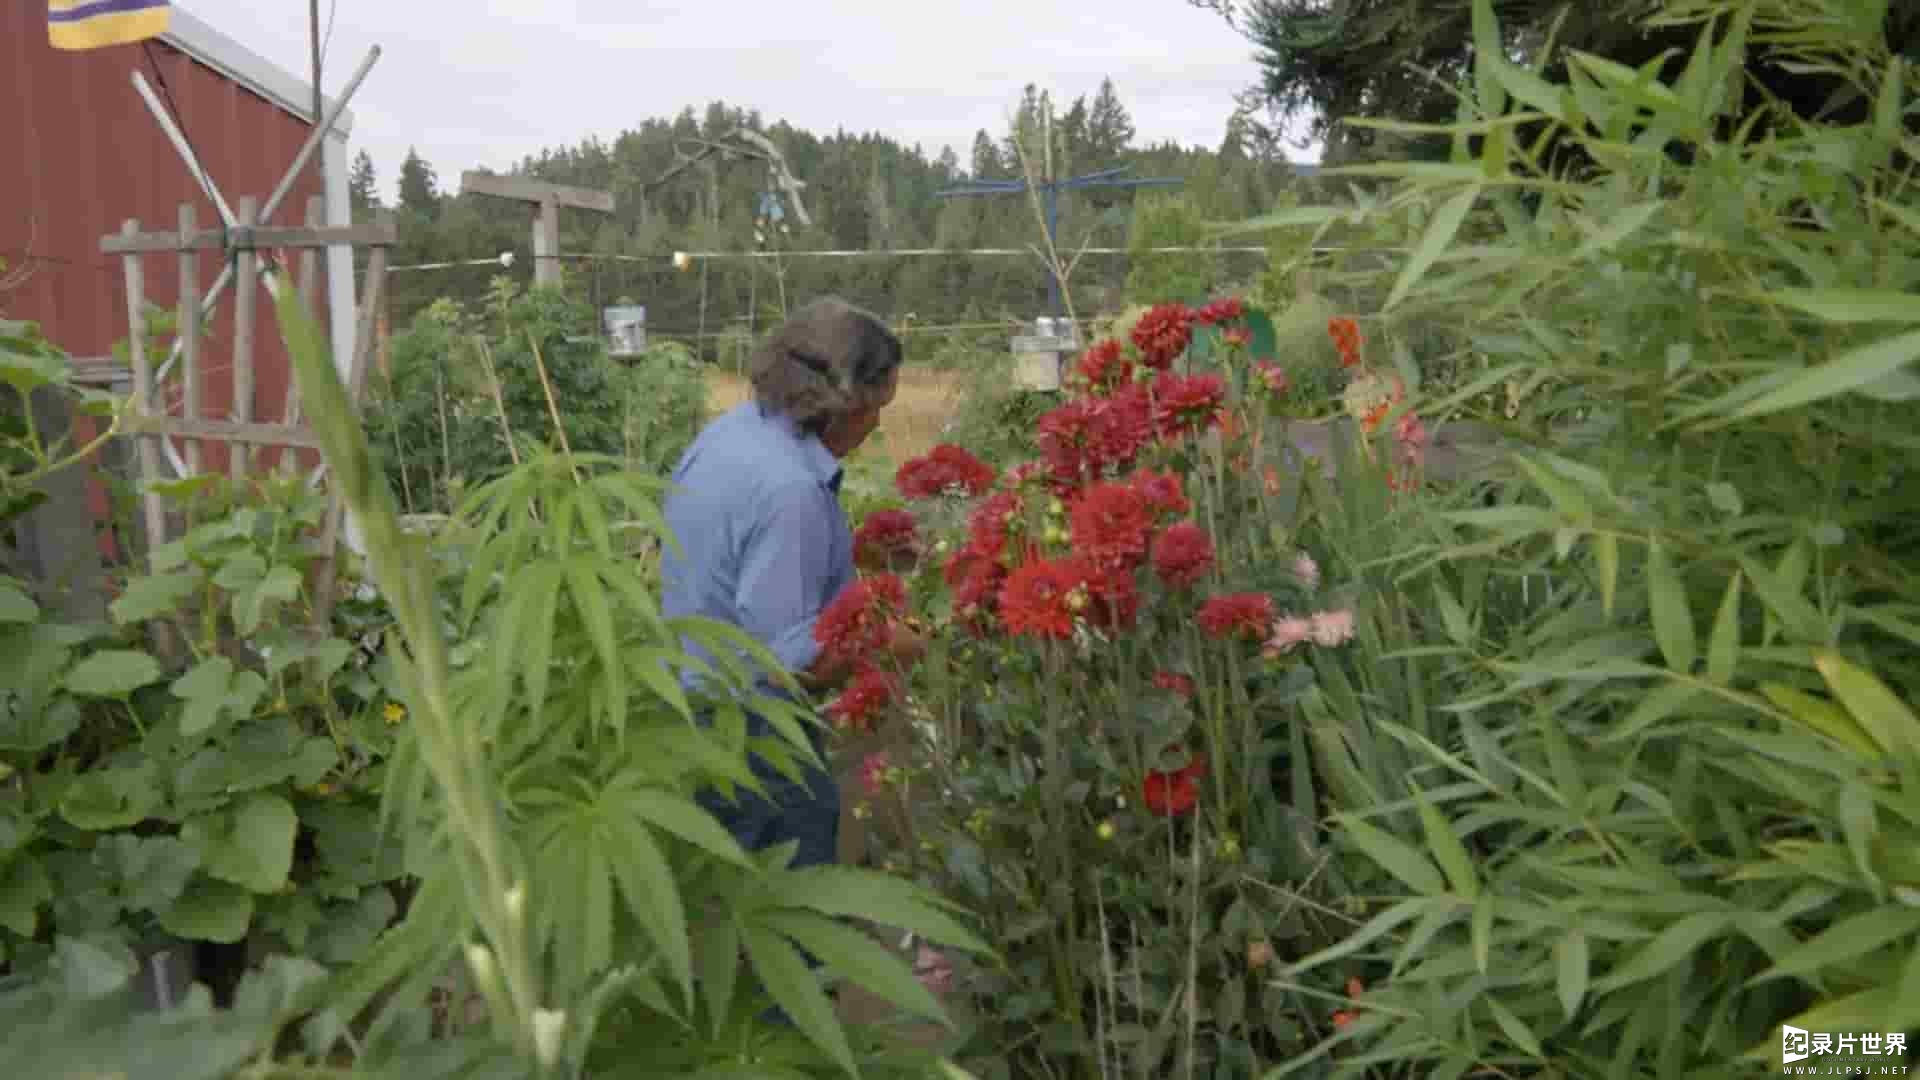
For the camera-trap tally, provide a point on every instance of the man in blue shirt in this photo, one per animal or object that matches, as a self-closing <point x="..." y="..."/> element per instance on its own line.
<point x="763" y="541"/>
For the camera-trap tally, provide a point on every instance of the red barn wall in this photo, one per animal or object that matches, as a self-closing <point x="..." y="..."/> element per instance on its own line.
<point x="83" y="155"/>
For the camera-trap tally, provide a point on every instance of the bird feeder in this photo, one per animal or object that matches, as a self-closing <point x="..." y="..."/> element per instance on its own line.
<point x="1041" y="355"/>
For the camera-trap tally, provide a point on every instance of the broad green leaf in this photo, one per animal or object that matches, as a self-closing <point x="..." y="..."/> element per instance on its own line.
<point x="1850" y="371"/>
<point x="889" y="901"/>
<point x="1852" y="305"/>
<point x="209" y="678"/>
<point x="1571" y="967"/>
<point x="653" y="896"/>
<point x="210" y="910"/>
<point x="1878" y="711"/>
<point x="1440" y="233"/>
<point x="16" y="606"/>
<point x="854" y="955"/>
<point x="112" y="673"/>
<point x="1446" y="848"/>
<point x="689" y="822"/>
<point x="24" y="886"/>
<point x="249" y="844"/>
<point x="1723" y="647"/>
<point x="1395" y="856"/>
<point x="792" y="985"/>
<point x="1672" y="619"/>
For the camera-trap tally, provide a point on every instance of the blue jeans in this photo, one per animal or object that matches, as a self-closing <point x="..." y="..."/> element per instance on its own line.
<point x="807" y="813"/>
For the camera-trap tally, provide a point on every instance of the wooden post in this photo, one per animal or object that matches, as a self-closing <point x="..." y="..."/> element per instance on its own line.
<point x="546" y="199"/>
<point x="308" y="286"/>
<point x="143" y="397"/>
<point x="364" y="344"/>
<point x="189" y="332"/>
<point x="246" y="288"/>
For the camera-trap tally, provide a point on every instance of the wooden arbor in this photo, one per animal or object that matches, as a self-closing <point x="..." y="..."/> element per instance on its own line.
<point x="547" y="199"/>
<point x="247" y="248"/>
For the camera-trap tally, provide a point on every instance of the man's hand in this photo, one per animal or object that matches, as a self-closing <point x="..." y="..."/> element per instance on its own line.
<point x="907" y="645"/>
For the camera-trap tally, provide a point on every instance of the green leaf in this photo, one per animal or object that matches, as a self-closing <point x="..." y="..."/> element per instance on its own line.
<point x="1852" y="305"/>
<point x="858" y="957"/>
<point x="1668" y="948"/>
<point x="1394" y="856"/>
<point x="889" y="901"/>
<point x="1723" y="648"/>
<point x="689" y="822"/>
<point x="719" y="960"/>
<point x="210" y="910"/>
<point x="653" y="896"/>
<point x="112" y="673"/>
<point x="794" y="988"/>
<point x="24" y="886"/>
<point x="1606" y="557"/>
<point x="249" y="844"/>
<point x="1446" y="848"/>
<point x="16" y="605"/>
<point x="590" y="600"/>
<point x="1850" y="371"/>
<point x="1654" y="707"/>
<point x="1440" y="233"/>
<point x="1513" y="1027"/>
<point x="1571" y="968"/>
<point x="209" y="678"/>
<point x="153" y="596"/>
<point x="1841" y="947"/>
<point x="1875" y="707"/>
<point x="1672" y="620"/>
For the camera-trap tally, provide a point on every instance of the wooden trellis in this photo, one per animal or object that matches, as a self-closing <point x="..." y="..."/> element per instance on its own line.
<point x="246" y="247"/>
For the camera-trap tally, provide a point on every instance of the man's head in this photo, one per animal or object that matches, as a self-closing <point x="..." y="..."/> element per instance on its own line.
<point x="830" y="369"/>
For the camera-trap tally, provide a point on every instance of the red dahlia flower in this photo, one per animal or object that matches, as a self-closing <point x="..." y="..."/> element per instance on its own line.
<point x="1041" y="598"/>
<point x="1105" y="366"/>
<point x="1182" y="554"/>
<point x="1111" y="524"/>
<point x="1187" y="404"/>
<point x="859" y="621"/>
<point x="1236" y="615"/>
<point x="1162" y="334"/>
<point x="1174" y="683"/>
<point x="1224" y="310"/>
<point x="1171" y="794"/>
<point x="884" y="534"/>
<point x="1162" y="490"/>
<point x="863" y="699"/>
<point x="945" y="468"/>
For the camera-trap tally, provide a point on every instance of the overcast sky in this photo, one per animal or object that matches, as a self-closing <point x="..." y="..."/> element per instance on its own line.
<point x="486" y="82"/>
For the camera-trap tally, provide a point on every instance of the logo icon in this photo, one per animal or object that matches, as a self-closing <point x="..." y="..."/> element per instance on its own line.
<point x="1795" y="1044"/>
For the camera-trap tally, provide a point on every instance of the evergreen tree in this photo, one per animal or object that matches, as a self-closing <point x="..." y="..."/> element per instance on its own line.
<point x="1109" y="126"/>
<point x="362" y="187"/>
<point x="419" y="187"/>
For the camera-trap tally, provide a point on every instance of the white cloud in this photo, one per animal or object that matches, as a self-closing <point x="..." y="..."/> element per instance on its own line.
<point x="488" y="82"/>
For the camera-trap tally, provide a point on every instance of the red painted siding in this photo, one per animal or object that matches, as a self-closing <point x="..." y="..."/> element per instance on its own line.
<point x="82" y="155"/>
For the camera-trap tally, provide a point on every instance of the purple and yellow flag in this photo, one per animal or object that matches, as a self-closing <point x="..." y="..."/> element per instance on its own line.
<point x="96" y="24"/>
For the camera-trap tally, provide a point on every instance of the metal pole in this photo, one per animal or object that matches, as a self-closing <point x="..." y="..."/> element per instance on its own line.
<point x="1053" y="252"/>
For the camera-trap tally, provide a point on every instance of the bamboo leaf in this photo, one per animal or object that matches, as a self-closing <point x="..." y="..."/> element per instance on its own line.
<point x="1845" y="943"/>
<point x="1875" y="707"/>
<point x="1446" y="847"/>
<point x="1395" y="856"/>
<point x="1672" y="620"/>
<point x="1440" y="233"/>
<point x="1723" y="647"/>
<point x="1852" y="305"/>
<point x="1652" y="709"/>
<point x="1572" y="965"/>
<point x="1667" y="949"/>
<point x="1480" y="932"/>
<point x="1606" y="557"/>
<point x="1513" y="1027"/>
<point x="1848" y="372"/>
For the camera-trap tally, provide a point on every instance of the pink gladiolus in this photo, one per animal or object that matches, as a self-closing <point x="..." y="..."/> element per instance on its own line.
<point x="1331" y="628"/>
<point x="1288" y="632"/>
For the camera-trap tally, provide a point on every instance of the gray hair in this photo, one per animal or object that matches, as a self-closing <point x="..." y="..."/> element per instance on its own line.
<point x="828" y="360"/>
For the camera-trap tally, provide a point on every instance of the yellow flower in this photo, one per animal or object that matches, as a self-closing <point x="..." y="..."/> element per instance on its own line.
<point x="1105" y="831"/>
<point x="1055" y="507"/>
<point x="323" y="789"/>
<point x="395" y="712"/>
<point x="861" y="813"/>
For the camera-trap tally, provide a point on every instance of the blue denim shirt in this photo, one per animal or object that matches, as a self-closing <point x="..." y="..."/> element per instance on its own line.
<point x="764" y="542"/>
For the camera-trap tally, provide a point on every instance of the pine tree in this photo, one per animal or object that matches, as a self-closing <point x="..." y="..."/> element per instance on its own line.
<point x="362" y="187"/>
<point x="1109" y="126"/>
<point x="419" y="187"/>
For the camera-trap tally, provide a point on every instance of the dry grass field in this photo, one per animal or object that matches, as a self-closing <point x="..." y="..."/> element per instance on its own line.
<point x="910" y="426"/>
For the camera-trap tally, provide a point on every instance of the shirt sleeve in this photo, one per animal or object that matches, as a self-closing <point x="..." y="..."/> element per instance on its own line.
<point x="787" y="568"/>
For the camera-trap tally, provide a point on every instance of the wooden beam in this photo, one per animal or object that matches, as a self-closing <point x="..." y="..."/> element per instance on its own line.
<point x="533" y="191"/>
<point x="256" y="433"/>
<point x="218" y="239"/>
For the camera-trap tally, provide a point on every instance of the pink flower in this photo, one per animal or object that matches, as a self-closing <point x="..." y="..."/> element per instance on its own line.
<point x="1289" y="631"/>
<point x="1272" y="375"/>
<point x="1331" y="628"/>
<point x="1306" y="570"/>
<point x="873" y="773"/>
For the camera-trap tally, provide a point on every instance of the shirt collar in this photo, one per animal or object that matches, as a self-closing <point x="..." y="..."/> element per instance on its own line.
<point x="819" y="460"/>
